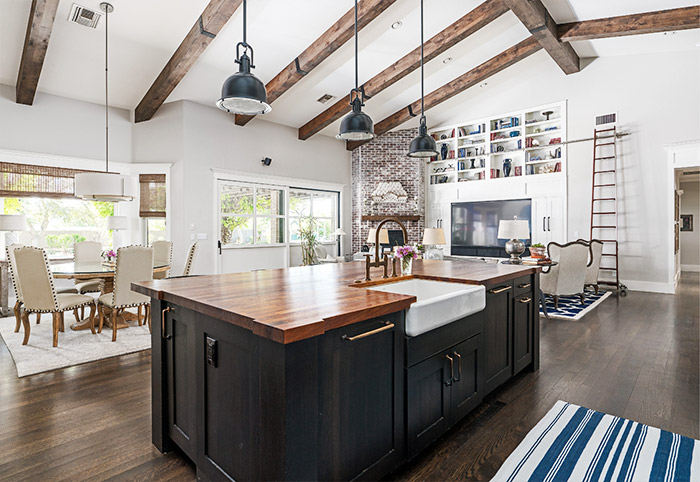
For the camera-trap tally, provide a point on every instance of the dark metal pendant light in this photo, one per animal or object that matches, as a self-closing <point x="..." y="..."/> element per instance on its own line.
<point x="356" y="126"/>
<point x="423" y="145"/>
<point x="243" y="93"/>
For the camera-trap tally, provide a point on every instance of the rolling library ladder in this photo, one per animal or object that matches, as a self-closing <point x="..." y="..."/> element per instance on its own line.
<point x="604" y="219"/>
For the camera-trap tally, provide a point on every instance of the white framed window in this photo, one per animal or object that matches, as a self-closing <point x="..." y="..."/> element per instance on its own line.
<point x="251" y="214"/>
<point x="323" y="206"/>
<point x="155" y="230"/>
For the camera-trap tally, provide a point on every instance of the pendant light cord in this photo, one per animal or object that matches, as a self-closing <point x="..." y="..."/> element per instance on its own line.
<point x="422" y="81"/>
<point x="245" y="15"/>
<point x="357" y="82"/>
<point x="106" y="90"/>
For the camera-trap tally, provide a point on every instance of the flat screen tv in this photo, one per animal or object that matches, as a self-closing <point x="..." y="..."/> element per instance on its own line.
<point x="475" y="226"/>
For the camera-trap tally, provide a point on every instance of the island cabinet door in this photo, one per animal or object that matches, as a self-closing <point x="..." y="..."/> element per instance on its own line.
<point x="466" y="391"/>
<point x="228" y="424"/>
<point x="179" y="336"/>
<point x="361" y="399"/>
<point x="498" y="335"/>
<point x="523" y="315"/>
<point x="428" y="401"/>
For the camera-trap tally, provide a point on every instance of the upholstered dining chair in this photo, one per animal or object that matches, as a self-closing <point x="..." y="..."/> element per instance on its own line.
<point x="568" y="276"/>
<point x="39" y="293"/>
<point x="191" y="255"/>
<point x="10" y="257"/>
<point x="134" y="263"/>
<point x="595" y="257"/>
<point x="88" y="252"/>
<point x="162" y="254"/>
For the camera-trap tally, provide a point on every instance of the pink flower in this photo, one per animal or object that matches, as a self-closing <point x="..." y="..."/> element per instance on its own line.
<point x="406" y="252"/>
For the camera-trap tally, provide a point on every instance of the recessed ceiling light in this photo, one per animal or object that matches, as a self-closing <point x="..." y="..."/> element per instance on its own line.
<point x="670" y="33"/>
<point x="397" y="25"/>
<point x="483" y="84"/>
<point x="447" y="60"/>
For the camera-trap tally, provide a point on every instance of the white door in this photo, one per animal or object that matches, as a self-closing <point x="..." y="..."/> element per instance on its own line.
<point x="555" y="220"/>
<point x="540" y="210"/>
<point x="252" y="227"/>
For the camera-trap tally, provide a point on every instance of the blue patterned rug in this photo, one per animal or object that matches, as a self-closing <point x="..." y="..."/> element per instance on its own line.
<point x="576" y="444"/>
<point x="570" y="307"/>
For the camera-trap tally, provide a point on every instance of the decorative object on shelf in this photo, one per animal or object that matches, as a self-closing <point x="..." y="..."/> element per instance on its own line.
<point x="550" y="128"/>
<point x="515" y="230"/>
<point x="534" y="142"/>
<point x="243" y="93"/>
<point x="555" y="140"/>
<point x="356" y="126"/>
<point x="433" y="238"/>
<point x="507" y="163"/>
<point x="442" y="179"/>
<point x="686" y="222"/>
<point x="443" y="151"/>
<point x="462" y="152"/>
<point x="406" y="254"/>
<point x="472" y="166"/>
<point x="514" y="133"/>
<point x="391" y="192"/>
<point x="557" y="167"/>
<point x="443" y="137"/>
<point x="518" y="171"/>
<point x="547" y="113"/>
<point x="538" y="251"/>
<point x="103" y="186"/>
<point x="308" y="228"/>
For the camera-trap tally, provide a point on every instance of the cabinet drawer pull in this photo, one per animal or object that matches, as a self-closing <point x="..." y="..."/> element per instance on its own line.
<point x="524" y="285"/>
<point x="162" y="323"/>
<point x="524" y="300"/>
<point x="387" y="326"/>
<point x="459" y="367"/>
<point x="495" y="291"/>
<point x="452" y="370"/>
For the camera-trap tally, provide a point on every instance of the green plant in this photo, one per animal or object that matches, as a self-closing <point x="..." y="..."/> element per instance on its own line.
<point x="538" y="245"/>
<point x="309" y="240"/>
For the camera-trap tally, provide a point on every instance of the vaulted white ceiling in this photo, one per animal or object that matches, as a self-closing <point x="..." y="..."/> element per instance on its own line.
<point x="144" y="34"/>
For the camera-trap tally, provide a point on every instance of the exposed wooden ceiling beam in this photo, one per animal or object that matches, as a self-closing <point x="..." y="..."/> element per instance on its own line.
<point x="534" y="15"/>
<point x="36" y="42"/>
<point x="450" y="36"/>
<point x="204" y="30"/>
<point x="469" y="79"/>
<point x="639" y="23"/>
<point x="331" y="40"/>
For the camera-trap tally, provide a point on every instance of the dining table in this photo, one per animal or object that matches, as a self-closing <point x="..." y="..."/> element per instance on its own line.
<point x="103" y="271"/>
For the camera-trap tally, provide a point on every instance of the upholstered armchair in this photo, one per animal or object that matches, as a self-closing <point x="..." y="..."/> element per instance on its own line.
<point x="323" y="256"/>
<point x="595" y="256"/>
<point x="569" y="275"/>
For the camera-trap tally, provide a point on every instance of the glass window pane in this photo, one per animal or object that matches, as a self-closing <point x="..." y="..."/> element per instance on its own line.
<point x="324" y="229"/>
<point x="155" y="230"/>
<point x="236" y="199"/>
<point x="269" y="201"/>
<point x="236" y="230"/>
<point x="269" y="230"/>
<point x="324" y="206"/>
<point x="294" y="230"/>
<point x="299" y="203"/>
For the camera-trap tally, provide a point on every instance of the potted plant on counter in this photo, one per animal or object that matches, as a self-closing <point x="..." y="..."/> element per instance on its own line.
<point x="538" y="251"/>
<point x="406" y="254"/>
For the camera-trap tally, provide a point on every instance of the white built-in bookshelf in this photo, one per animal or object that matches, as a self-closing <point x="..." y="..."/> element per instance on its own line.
<point x="517" y="144"/>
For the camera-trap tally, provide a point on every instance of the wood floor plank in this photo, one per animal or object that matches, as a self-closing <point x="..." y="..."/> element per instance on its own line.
<point x="635" y="357"/>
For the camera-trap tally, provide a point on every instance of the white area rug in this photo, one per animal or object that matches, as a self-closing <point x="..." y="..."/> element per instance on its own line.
<point x="74" y="347"/>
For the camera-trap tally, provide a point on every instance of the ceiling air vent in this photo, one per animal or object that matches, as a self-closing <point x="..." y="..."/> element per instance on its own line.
<point x="84" y="16"/>
<point x="606" y="119"/>
<point x="324" y="98"/>
<point x="690" y="173"/>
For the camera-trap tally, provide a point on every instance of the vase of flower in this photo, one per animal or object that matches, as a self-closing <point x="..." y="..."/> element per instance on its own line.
<point x="109" y="256"/>
<point x="406" y="255"/>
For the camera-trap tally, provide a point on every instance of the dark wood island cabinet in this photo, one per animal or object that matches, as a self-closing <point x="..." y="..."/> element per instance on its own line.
<point x="302" y="374"/>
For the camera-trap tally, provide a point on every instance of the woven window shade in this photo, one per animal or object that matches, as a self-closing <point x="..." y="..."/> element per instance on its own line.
<point x="152" y="189"/>
<point x="28" y="180"/>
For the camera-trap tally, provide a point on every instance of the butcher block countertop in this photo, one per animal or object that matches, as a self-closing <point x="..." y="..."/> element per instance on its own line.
<point x="292" y="304"/>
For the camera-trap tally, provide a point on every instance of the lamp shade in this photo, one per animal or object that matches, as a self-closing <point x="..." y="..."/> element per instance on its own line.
<point x="434" y="236"/>
<point x="513" y="229"/>
<point x="383" y="236"/>
<point x="101" y="186"/>
<point x="117" y="223"/>
<point x="338" y="232"/>
<point x="356" y="126"/>
<point x="243" y="93"/>
<point x="13" y="222"/>
<point x="423" y="145"/>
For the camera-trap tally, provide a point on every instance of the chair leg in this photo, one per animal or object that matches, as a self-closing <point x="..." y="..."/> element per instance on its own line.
<point x="92" y="318"/>
<point x="61" y="326"/>
<point x="56" y="327"/>
<point x="101" y="317"/>
<point x="38" y="318"/>
<point x="148" y="317"/>
<point x="138" y="315"/>
<point x="596" y="288"/>
<point x="18" y="315"/>
<point x="114" y="324"/>
<point x="556" y="302"/>
<point x="26" y="325"/>
<point x="76" y="315"/>
<point x="582" y="297"/>
<point x="82" y="312"/>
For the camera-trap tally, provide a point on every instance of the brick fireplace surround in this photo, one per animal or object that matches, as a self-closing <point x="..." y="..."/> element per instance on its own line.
<point x="385" y="159"/>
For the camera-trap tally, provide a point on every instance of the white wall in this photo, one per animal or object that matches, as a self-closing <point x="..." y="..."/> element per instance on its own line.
<point x="60" y="126"/>
<point x="211" y="140"/>
<point x="657" y="99"/>
<point x="690" y="240"/>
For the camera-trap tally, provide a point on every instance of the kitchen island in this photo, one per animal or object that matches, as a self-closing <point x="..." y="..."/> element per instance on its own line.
<point x="305" y="374"/>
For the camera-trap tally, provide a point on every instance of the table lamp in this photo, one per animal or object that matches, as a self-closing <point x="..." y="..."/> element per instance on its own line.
<point x="117" y="223"/>
<point x="338" y="233"/>
<point x="13" y="222"/>
<point x="432" y="239"/>
<point x="514" y="229"/>
<point x="383" y="236"/>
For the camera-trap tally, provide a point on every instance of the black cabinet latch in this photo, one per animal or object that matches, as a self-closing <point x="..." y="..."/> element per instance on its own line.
<point x="211" y="351"/>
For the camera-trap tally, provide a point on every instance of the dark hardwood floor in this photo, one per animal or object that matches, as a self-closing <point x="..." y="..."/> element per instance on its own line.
<point x="636" y="357"/>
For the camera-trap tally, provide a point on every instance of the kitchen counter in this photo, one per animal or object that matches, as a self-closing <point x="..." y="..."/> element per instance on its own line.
<point x="288" y="305"/>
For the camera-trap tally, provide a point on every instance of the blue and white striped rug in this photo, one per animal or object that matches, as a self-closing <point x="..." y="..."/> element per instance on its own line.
<point x="576" y="444"/>
<point x="570" y="307"/>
